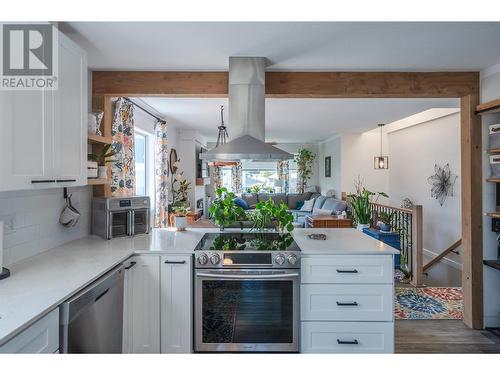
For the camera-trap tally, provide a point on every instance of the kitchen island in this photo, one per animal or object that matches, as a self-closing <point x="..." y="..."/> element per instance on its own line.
<point x="39" y="284"/>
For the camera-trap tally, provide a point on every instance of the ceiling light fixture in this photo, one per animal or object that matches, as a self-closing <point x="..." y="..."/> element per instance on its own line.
<point x="223" y="136"/>
<point x="381" y="162"/>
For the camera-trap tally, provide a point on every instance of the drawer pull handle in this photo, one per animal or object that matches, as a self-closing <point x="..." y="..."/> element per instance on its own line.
<point x="347" y="303"/>
<point x="69" y="180"/>
<point x="175" y="262"/>
<point x="343" y="342"/>
<point x="347" y="271"/>
<point x="42" y="181"/>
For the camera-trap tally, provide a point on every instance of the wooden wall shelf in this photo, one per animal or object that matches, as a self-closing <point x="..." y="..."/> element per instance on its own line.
<point x="492" y="179"/>
<point x="492" y="264"/>
<point x="99" y="139"/>
<point x="493" y="214"/>
<point x="492" y="106"/>
<point x="202" y="181"/>
<point x="97" y="181"/>
<point x="493" y="151"/>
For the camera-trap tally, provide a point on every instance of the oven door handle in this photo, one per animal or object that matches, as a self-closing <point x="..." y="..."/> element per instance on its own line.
<point x="244" y="276"/>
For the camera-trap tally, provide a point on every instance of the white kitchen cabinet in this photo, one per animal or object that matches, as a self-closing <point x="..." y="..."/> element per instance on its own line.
<point x="41" y="337"/>
<point x="141" y="332"/>
<point x="176" y="304"/>
<point x="44" y="133"/>
<point x="347" y="337"/>
<point x="346" y="304"/>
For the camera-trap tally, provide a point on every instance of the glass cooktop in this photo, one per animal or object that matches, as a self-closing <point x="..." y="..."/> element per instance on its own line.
<point x="248" y="241"/>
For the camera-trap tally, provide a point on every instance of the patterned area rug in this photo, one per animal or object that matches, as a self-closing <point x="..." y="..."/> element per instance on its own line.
<point x="428" y="303"/>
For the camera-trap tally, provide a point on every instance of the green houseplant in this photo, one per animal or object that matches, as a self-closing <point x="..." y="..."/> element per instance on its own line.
<point x="180" y="216"/>
<point x="361" y="204"/>
<point x="384" y="221"/>
<point x="267" y="213"/>
<point x="102" y="159"/>
<point x="223" y="210"/>
<point x="304" y="160"/>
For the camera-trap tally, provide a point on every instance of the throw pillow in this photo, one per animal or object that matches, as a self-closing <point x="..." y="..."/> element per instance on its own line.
<point x="241" y="202"/>
<point x="299" y="205"/>
<point x="320" y="211"/>
<point x="308" y="205"/>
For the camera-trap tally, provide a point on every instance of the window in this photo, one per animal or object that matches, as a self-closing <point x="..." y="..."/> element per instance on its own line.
<point x="227" y="178"/>
<point x="292" y="180"/>
<point x="141" y="156"/>
<point x="259" y="173"/>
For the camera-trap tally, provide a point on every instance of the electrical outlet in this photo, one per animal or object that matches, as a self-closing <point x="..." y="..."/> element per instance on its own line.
<point x="9" y="223"/>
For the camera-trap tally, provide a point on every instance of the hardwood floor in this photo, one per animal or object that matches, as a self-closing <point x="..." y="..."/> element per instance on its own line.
<point x="442" y="336"/>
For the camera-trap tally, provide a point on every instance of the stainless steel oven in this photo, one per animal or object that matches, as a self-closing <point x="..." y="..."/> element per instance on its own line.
<point x="246" y="300"/>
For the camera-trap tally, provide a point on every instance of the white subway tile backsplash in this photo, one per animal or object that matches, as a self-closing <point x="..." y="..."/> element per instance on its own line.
<point x="32" y="221"/>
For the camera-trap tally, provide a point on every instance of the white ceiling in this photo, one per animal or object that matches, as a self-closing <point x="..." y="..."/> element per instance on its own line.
<point x="289" y="46"/>
<point x="296" y="120"/>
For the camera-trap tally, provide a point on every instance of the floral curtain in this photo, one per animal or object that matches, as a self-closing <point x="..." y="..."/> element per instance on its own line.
<point x="161" y="175"/>
<point x="216" y="177"/>
<point x="284" y="174"/>
<point x="237" y="179"/>
<point x="123" y="165"/>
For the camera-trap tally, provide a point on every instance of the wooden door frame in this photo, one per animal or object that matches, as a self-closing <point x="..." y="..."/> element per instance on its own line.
<point x="462" y="85"/>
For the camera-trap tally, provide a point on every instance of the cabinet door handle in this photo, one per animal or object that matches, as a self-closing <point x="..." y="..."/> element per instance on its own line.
<point x="69" y="180"/>
<point x="175" y="262"/>
<point x="347" y="271"/>
<point x="42" y="181"/>
<point x="347" y="303"/>
<point x="351" y="342"/>
<point x="132" y="264"/>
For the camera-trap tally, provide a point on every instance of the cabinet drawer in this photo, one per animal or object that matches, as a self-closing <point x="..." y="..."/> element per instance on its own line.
<point x="346" y="302"/>
<point x="41" y="337"/>
<point x="347" y="269"/>
<point x="347" y="337"/>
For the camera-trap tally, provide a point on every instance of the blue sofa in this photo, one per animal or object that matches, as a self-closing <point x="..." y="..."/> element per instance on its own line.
<point x="292" y="199"/>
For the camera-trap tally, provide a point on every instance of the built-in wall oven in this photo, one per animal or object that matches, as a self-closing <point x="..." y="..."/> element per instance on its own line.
<point x="117" y="217"/>
<point x="247" y="299"/>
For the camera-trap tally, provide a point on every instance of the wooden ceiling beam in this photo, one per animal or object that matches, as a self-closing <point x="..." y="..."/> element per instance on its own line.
<point x="291" y="84"/>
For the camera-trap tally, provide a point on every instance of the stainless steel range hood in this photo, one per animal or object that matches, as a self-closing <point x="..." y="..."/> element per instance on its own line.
<point x="246" y="115"/>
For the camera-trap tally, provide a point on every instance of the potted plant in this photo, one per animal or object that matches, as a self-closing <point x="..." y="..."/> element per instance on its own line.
<point x="304" y="160"/>
<point x="102" y="159"/>
<point x="267" y="213"/>
<point x="180" y="217"/>
<point x="361" y="205"/>
<point x="223" y="210"/>
<point x="384" y="221"/>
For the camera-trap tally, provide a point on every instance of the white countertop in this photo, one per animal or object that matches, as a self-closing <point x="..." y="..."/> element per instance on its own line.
<point x="39" y="284"/>
<point x="339" y="241"/>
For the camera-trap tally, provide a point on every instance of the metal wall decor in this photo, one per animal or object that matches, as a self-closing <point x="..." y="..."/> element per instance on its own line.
<point x="442" y="182"/>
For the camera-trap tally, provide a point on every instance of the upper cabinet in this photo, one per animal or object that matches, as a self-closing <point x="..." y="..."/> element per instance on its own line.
<point x="43" y="134"/>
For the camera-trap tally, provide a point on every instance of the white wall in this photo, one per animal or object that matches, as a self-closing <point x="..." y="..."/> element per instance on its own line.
<point x="31" y="220"/>
<point x="490" y="89"/>
<point x="332" y="148"/>
<point x="413" y="153"/>
<point x="357" y="153"/>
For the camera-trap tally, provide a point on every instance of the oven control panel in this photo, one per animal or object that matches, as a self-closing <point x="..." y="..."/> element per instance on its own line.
<point x="248" y="259"/>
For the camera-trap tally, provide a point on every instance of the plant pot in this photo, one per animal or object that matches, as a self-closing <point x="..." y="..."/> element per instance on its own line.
<point x="180" y="223"/>
<point x="360" y="227"/>
<point x="385" y="227"/>
<point x="103" y="171"/>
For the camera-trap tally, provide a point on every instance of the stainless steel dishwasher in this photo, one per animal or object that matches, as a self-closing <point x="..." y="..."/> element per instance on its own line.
<point x="92" y="320"/>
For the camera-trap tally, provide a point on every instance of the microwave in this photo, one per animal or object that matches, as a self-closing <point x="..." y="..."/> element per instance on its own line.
<point x="119" y="217"/>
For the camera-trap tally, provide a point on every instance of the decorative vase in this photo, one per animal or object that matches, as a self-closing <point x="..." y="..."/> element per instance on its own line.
<point x="180" y="223"/>
<point x="360" y="227"/>
<point x="103" y="171"/>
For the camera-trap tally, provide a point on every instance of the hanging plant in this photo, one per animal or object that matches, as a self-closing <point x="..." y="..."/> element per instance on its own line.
<point x="304" y="160"/>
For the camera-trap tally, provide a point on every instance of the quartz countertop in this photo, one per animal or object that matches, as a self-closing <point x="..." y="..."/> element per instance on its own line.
<point x="40" y="283"/>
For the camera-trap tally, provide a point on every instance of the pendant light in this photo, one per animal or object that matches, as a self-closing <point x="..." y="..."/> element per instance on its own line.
<point x="223" y="136"/>
<point x="381" y="162"/>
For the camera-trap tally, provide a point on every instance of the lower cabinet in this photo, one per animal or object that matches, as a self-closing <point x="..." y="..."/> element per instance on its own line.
<point x="41" y="337"/>
<point x="158" y="304"/>
<point x="347" y="337"/>
<point x="141" y="331"/>
<point x="176" y="304"/>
